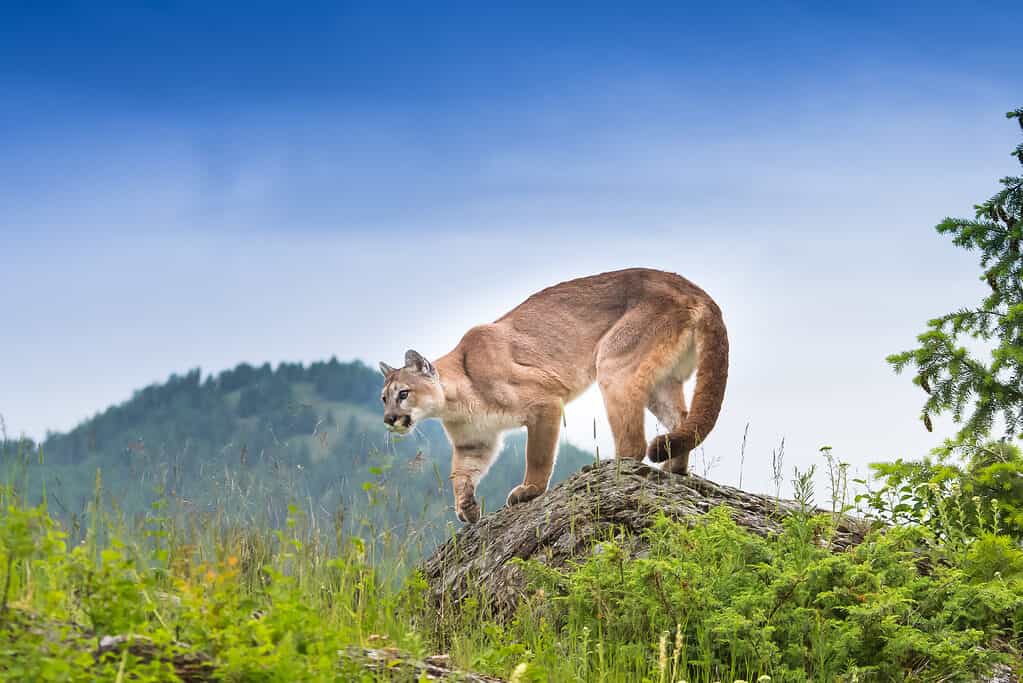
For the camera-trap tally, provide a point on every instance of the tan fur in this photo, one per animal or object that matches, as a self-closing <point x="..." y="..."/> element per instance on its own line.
<point x="638" y="333"/>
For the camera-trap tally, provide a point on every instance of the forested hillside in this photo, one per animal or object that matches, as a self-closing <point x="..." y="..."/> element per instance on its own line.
<point x="251" y="441"/>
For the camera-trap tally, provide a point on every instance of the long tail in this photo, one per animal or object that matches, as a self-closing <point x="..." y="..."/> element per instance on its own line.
<point x="711" y="378"/>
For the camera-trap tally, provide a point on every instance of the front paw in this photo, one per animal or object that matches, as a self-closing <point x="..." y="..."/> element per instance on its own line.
<point x="467" y="509"/>
<point x="524" y="493"/>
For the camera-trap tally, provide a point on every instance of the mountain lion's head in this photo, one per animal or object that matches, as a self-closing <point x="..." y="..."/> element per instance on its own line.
<point x="411" y="393"/>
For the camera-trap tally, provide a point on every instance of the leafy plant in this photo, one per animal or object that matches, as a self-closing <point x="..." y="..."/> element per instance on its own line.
<point x="956" y="499"/>
<point x="718" y="603"/>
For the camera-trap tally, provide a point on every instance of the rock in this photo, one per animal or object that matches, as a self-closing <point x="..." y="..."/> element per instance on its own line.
<point x="613" y="497"/>
<point x="189" y="666"/>
<point x="391" y="663"/>
<point x="1002" y="673"/>
<point x="401" y="665"/>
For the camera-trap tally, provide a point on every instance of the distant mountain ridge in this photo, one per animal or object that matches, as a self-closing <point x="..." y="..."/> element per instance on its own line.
<point x="251" y="440"/>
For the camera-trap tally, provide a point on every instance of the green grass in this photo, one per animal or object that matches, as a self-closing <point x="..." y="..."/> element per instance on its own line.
<point x="706" y="603"/>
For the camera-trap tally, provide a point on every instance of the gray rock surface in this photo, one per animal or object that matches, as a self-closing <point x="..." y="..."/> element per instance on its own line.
<point x="619" y="497"/>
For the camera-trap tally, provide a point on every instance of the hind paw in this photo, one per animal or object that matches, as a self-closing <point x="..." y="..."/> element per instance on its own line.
<point x="673" y="457"/>
<point x="660" y="449"/>
<point x="676" y="465"/>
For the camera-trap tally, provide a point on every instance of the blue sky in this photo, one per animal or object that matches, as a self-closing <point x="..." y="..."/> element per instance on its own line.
<point x="197" y="184"/>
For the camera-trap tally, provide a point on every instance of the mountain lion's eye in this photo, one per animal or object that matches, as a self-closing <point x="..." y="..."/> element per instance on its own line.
<point x="403" y="394"/>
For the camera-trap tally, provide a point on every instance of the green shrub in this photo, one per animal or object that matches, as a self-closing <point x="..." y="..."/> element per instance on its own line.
<point x="727" y="604"/>
<point x="957" y="498"/>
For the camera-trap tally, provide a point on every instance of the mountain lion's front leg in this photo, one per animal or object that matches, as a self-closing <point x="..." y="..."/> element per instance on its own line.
<point x="469" y="461"/>
<point x="541" y="447"/>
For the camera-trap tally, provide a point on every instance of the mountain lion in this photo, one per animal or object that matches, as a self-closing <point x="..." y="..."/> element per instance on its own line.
<point x="638" y="333"/>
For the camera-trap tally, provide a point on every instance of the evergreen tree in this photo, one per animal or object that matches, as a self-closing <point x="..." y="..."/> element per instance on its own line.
<point x="973" y="389"/>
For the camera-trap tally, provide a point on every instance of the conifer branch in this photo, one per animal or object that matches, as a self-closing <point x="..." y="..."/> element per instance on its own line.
<point x="974" y="390"/>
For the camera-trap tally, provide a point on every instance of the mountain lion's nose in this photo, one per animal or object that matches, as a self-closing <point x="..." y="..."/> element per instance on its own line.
<point x="390" y="419"/>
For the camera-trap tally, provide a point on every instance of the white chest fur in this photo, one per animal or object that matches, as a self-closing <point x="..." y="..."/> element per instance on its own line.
<point x="481" y="428"/>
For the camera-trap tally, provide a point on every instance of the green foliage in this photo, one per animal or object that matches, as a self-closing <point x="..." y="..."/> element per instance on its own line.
<point x="956" y="380"/>
<point x="282" y="617"/>
<point x="955" y="500"/>
<point x="707" y="602"/>
<point x="713" y="602"/>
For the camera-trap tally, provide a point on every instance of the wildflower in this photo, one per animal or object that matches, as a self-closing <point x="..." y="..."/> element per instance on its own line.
<point x="662" y="656"/>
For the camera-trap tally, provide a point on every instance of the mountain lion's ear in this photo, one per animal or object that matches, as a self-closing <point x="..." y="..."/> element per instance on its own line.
<point x="385" y="369"/>
<point x="415" y="361"/>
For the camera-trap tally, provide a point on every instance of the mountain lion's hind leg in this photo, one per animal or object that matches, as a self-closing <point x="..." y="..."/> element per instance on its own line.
<point x="624" y="406"/>
<point x="541" y="449"/>
<point x="630" y="357"/>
